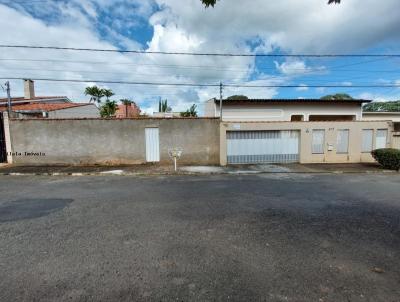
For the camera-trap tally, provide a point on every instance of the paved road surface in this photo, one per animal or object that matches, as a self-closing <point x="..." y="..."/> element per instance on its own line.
<point x="269" y="237"/>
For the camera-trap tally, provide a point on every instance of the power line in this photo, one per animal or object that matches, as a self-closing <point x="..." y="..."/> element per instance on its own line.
<point x="331" y="78"/>
<point x="202" y="54"/>
<point x="306" y="70"/>
<point x="209" y="85"/>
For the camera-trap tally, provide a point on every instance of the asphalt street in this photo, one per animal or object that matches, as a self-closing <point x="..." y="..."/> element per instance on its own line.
<point x="266" y="237"/>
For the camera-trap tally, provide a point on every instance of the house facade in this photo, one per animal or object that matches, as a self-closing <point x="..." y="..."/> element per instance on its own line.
<point x="391" y="116"/>
<point x="127" y="111"/>
<point x="32" y="106"/>
<point x="249" y="132"/>
<point x="255" y="131"/>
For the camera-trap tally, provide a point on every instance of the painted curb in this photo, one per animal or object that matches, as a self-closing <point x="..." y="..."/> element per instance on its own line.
<point x="77" y="174"/>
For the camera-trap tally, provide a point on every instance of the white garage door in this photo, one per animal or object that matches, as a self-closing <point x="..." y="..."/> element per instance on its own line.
<point x="253" y="147"/>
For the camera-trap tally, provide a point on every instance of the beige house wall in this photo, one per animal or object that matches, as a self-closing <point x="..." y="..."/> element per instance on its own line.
<point x="381" y="116"/>
<point x="111" y="141"/>
<point x="87" y="111"/>
<point x="354" y="154"/>
<point x="279" y="111"/>
<point x="396" y="140"/>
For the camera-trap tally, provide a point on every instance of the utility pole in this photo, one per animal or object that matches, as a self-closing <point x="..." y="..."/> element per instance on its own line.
<point x="7" y="84"/>
<point x="221" y="87"/>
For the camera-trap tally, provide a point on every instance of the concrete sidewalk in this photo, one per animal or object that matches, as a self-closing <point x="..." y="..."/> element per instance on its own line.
<point x="152" y="169"/>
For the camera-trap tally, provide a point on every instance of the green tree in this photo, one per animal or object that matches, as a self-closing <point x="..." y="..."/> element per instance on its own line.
<point x="107" y="93"/>
<point x="237" y="97"/>
<point x="208" y="3"/>
<point x="337" y="96"/>
<point x="191" y="112"/>
<point x="108" y="109"/>
<point x="95" y="93"/>
<point x="126" y="103"/>
<point x="382" y="107"/>
<point x="163" y="106"/>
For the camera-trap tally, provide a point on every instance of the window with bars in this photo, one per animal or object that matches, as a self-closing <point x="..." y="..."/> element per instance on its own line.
<point x="342" y="145"/>
<point x="381" y="138"/>
<point x="367" y="140"/>
<point x="318" y="141"/>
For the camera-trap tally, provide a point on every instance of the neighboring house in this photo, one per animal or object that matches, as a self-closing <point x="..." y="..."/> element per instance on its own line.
<point x="387" y="116"/>
<point x="298" y="130"/>
<point x="286" y="110"/>
<point x="31" y="106"/>
<point x="29" y="96"/>
<point x="128" y="111"/>
<point x="381" y="116"/>
<point x="55" y="110"/>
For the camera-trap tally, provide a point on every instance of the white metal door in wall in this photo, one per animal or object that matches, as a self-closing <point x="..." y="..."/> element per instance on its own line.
<point x="152" y="145"/>
<point x="254" y="147"/>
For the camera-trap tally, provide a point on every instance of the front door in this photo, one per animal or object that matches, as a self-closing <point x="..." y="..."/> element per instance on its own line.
<point x="152" y="145"/>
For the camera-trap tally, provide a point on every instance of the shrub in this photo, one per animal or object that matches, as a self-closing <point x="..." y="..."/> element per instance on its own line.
<point x="388" y="158"/>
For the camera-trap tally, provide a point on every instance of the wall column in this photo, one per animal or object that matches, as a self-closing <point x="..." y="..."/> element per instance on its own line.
<point x="222" y="144"/>
<point x="7" y="137"/>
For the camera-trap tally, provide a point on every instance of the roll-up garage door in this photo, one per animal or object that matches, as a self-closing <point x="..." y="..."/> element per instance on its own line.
<point x="255" y="147"/>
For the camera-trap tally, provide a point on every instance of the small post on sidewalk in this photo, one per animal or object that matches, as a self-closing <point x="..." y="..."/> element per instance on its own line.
<point x="175" y="154"/>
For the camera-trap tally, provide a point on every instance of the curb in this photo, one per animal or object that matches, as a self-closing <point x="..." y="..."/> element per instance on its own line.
<point x="76" y="174"/>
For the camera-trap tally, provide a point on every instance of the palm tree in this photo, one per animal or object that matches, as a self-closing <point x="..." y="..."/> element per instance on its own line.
<point x="191" y="112"/>
<point x="108" y="93"/>
<point x="95" y="93"/>
<point x="126" y="103"/>
<point x="108" y="109"/>
<point x="208" y="3"/>
<point x="163" y="106"/>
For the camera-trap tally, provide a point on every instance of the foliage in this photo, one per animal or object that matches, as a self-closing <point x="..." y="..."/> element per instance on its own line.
<point x="208" y="3"/>
<point x="191" y="112"/>
<point x="382" y="107"/>
<point x="237" y="97"/>
<point x="108" y="93"/>
<point x="95" y="93"/>
<point x="337" y="96"/>
<point x="126" y="102"/>
<point x="163" y="106"/>
<point x="388" y="158"/>
<point x="108" y="109"/>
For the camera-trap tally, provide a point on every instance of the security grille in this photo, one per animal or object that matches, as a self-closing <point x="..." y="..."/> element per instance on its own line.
<point x="253" y="147"/>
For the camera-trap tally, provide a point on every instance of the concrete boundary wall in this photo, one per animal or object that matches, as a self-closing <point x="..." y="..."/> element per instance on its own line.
<point x="354" y="155"/>
<point x="111" y="141"/>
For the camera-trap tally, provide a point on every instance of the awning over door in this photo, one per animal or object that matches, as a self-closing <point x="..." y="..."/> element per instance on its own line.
<point x="254" y="147"/>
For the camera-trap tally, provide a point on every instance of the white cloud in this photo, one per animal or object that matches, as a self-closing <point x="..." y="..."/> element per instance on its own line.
<point x="379" y="97"/>
<point x="290" y="25"/>
<point x="302" y="87"/>
<point x="347" y="83"/>
<point x="292" y="67"/>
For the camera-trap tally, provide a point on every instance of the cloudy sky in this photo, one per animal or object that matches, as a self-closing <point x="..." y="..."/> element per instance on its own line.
<point x="234" y="26"/>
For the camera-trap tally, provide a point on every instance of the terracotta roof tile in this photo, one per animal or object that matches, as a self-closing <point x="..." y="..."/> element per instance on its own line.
<point x="44" y="106"/>
<point x="37" y="98"/>
<point x="321" y="101"/>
